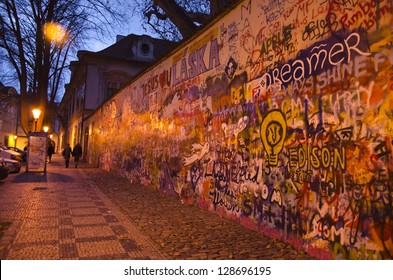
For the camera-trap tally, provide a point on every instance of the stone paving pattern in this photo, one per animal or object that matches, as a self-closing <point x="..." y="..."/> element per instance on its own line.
<point x="85" y="213"/>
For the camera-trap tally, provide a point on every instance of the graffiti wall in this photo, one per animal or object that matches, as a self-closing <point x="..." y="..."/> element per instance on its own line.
<point x="279" y="116"/>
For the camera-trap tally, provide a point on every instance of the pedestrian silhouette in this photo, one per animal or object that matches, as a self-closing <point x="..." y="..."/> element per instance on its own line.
<point x="50" y="152"/>
<point x="67" y="153"/>
<point x="77" y="153"/>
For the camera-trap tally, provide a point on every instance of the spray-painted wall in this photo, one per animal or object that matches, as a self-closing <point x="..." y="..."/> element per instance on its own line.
<point x="279" y="116"/>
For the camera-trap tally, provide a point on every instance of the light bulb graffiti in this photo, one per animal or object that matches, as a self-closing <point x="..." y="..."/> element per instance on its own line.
<point x="273" y="132"/>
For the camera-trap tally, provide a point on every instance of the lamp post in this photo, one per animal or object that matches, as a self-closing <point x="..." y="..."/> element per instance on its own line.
<point x="15" y="140"/>
<point x="36" y="115"/>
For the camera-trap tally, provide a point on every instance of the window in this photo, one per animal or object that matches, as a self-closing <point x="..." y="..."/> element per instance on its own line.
<point x="145" y="48"/>
<point x="114" y="80"/>
<point x="71" y="107"/>
<point x="74" y="135"/>
<point x="111" y="88"/>
<point x="6" y="140"/>
<point x="81" y="96"/>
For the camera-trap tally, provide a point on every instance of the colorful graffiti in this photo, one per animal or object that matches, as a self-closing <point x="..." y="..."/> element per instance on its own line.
<point x="279" y="116"/>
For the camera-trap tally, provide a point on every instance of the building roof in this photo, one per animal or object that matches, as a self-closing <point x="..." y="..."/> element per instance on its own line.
<point x="122" y="48"/>
<point x="7" y="90"/>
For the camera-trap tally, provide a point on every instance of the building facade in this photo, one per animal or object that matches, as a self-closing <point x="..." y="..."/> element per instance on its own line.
<point x="96" y="76"/>
<point x="11" y="132"/>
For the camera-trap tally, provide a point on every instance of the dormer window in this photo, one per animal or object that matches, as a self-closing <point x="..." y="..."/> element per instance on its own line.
<point x="145" y="48"/>
<point x="142" y="50"/>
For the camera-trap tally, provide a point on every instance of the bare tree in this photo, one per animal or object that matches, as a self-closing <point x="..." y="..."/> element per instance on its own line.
<point x="37" y="38"/>
<point x="177" y="19"/>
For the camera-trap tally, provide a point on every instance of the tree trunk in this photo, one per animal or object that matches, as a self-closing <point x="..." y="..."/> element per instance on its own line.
<point x="177" y="16"/>
<point x="216" y="6"/>
<point x="21" y="69"/>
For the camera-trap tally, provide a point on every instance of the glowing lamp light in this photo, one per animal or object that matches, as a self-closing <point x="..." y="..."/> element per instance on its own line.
<point x="46" y="129"/>
<point x="36" y="115"/>
<point x="15" y="140"/>
<point x="54" y="32"/>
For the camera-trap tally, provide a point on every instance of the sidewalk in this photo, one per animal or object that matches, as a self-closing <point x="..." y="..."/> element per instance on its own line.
<point x="86" y="213"/>
<point x="60" y="215"/>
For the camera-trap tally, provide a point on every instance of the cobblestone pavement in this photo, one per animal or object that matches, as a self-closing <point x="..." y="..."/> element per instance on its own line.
<point x="86" y="213"/>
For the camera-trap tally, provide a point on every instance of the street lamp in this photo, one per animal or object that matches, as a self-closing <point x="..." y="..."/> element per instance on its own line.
<point x="46" y="129"/>
<point x="36" y="114"/>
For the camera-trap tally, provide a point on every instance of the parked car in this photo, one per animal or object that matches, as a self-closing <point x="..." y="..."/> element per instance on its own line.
<point x="3" y="171"/>
<point x="12" y="166"/>
<point x="10" y="154"/>
<point x="21" y="152"/>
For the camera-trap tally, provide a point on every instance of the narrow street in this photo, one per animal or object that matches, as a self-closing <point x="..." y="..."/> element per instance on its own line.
<point x="86" y="213"/>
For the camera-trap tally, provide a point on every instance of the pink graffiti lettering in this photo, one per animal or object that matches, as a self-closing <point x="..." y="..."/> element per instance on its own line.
<point x="270" y="232"/>
<point x="194" y="64"/>
<point x="319" y="253"/>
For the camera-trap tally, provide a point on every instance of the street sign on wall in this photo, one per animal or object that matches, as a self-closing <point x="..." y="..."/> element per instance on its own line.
<point x="36" y="152"/>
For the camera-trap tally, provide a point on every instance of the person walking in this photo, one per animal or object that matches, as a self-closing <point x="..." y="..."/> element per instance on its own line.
<point x="50" y="152"/>
<point x="67" y="153"/>
<point x="77" y="153"/>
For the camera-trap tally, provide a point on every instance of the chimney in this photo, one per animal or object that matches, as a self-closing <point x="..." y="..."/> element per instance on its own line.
<point x="119" y="37"/>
